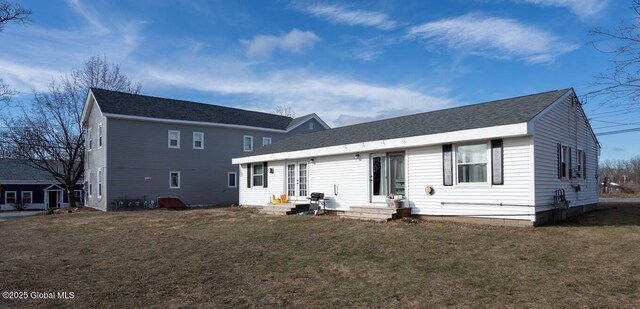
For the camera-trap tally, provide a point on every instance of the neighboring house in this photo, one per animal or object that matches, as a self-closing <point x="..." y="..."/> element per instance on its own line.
<point x="485" y="162"/>
<point x="21" y="183"/>
<point x="143" y="148"/>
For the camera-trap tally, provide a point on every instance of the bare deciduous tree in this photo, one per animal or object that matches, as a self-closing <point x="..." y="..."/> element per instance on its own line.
<point x="285" y="110"/>
<point x="11" y="12"/>
<point x="621" y="84"/>
<point x="49" y="133"/>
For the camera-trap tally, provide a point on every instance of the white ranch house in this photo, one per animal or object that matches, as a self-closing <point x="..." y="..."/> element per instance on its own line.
<point x="496" y="162"/>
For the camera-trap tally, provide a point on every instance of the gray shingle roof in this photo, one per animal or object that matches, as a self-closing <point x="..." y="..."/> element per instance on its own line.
<point x="114" y="102"/>
<point x="297" y="120"/>
<point x="15" y="169"/>
<point x="494" y="113"/>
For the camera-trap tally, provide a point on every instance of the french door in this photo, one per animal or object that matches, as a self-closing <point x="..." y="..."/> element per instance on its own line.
<point x="297" y="180"/>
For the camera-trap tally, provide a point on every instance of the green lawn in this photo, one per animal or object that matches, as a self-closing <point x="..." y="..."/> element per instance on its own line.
<point x="234" y="257"/>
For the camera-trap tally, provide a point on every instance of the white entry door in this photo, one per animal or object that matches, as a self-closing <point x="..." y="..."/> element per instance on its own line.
<point x="297" y="180"/>
<point x="378" y="178"/>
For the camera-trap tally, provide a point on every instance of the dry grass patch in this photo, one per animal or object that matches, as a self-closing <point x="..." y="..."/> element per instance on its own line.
<point x="234" y="257"/>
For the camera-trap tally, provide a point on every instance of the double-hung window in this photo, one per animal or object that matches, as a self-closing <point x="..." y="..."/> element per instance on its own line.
<point x="248" y="143"/>
<point x="198" y="140"/>
<point x="174" y="139"/>
<point x="472" y="163"/>
<point x="99" y="136"/>
<point x="258" y="174"/>
<point x="232" y="180"/>
<point x="99" y="183"/>
<point x="580" y="167"/>
<point x="564" y="162"/>
<point x="174" y="180"/>
<point x="27" y="197"/>
<point x="77" y="196"/>
<point x="266" y="141"/>
<point x="10" y="197"/>
<point x="90" y="139"/>
<point x="90" y="182"/>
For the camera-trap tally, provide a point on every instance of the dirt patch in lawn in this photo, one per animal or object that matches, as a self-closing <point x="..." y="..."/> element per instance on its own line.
<point x="234" y="257"/>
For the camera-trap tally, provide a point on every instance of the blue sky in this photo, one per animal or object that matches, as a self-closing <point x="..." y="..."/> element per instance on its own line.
<point x="346" y="61"/>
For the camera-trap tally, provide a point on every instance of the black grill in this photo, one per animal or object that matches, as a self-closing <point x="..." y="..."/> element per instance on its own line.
<point x="315" y="196"/>
<point x="317" y="199"/>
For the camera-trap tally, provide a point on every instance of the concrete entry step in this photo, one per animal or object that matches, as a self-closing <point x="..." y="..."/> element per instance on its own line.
<point x="284" y="209"/>
<point x="376" y="213"/>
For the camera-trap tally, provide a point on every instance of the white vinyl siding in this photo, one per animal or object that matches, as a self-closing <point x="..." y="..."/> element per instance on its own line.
<point x="198" y="140"/>
<point x="259" y="196"/>
<point x="558" y="125"/>
<point x="425" y="169"/>
<point x="248" y="143"/>
<point x="174" y="139"/>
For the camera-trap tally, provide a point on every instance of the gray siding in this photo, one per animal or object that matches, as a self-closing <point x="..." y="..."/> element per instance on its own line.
<point x="304" y="127"/>
<point x="564" y="123"/>
<point x="139" y="160"/>
<point x="95" y="158"/>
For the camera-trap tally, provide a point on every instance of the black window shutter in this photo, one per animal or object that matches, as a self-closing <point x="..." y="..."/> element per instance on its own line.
<point x="248" y="175"/>
<point x="570" y="164"/>
<point x="265" y="173"/>
<point x="497" y="164"/>
<point x="559" y="161"/>
<point x="584" y="164"/>
<point x="447" y="165"/>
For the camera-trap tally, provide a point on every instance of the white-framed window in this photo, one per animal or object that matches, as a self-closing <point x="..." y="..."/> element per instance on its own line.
<point x="99" y="136"/>
<point x="580" y="167"/>
<point x="90" y="139"/>
<point x="77" y="196"/>
<point x="100" y="183"/>
<point x="90" y="184"/>
<point x="232" y="180"/>
<point x="248" y="143"/>
<point x="258" y="174"/>
<point x="564" y="162"/>
<point x="198" y="140"/>
<point x="266" y="141"/>
<point x="174" y="139"/>
<point x="310" y="125"/>
<point x="27" y="197"/>
<point x="10" y="197"/>
<point x="174" y="180"/>
<point x="471" y="163"/>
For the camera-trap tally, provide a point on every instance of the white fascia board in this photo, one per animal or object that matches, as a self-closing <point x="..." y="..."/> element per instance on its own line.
<point x="511" y="130"/>
<point x="187" y="122"/>
<point x="87" y="107"/>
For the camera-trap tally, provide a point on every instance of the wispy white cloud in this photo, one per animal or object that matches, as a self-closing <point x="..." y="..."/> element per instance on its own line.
<point x="338" y="99"/>
<point x="492" y="37"/>
<point x="296" y="41"/>
<point x="32" y="56"/>
<point x="582" y="8"/>
<point x="354" y="17"/>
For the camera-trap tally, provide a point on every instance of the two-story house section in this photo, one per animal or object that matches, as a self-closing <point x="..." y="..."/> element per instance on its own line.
<point x="143" y="148"/>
